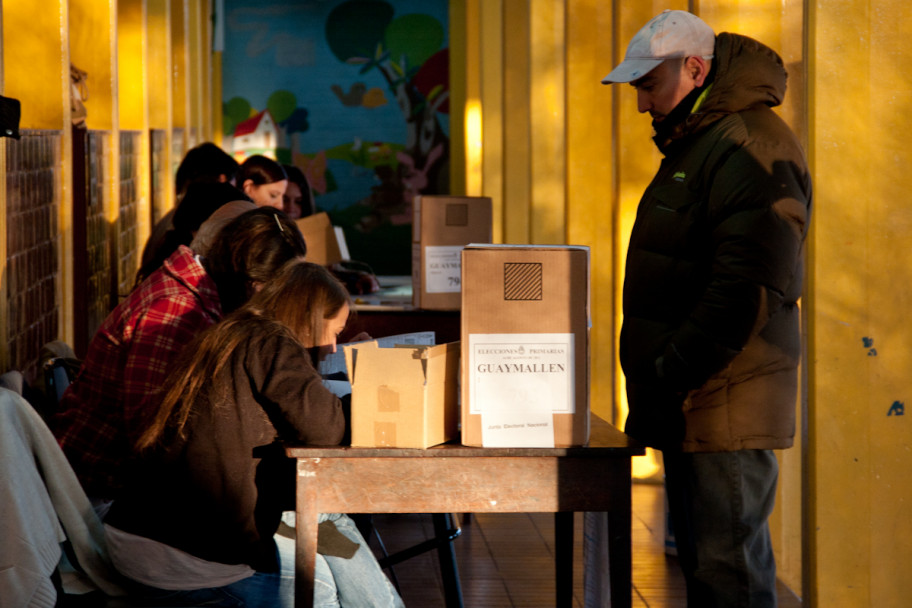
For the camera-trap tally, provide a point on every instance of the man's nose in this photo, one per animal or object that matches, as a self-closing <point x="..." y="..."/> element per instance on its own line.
<point x="643" y="102"/>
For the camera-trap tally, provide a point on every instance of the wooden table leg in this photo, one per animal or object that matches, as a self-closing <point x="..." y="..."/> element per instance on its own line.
<point x="305" y="540"/>
<point x="619" y="543"/>
<point x="563" y="559"/>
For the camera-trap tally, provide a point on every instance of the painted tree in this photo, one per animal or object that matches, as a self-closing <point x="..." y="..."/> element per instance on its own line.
<point x="366" y="34"/>
<point x="283" y="105"/>
<point x="234" y="111"/>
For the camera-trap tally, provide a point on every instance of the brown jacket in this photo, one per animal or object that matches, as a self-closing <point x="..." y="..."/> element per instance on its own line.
<point x="218" y="491"/>
<point x="710" y="342"/>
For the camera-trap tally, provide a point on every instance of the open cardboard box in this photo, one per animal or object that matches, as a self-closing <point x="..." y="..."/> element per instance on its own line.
<point x="404" y="396"/>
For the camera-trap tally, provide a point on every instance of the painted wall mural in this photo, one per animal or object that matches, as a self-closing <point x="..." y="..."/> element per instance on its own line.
<point x="353" y="92"/>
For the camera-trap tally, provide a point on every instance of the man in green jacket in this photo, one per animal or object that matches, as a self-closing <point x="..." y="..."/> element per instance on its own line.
<point x="710" y="343"/>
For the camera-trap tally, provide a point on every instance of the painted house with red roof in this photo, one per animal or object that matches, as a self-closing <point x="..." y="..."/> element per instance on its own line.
<point x="256" y="135"/>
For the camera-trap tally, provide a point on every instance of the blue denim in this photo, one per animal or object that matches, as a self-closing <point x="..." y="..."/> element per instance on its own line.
<point x="359" y="581"/>
<point x="720" y="504"/>
<point x="348" y="583"/>
<point x="261" y="590"/>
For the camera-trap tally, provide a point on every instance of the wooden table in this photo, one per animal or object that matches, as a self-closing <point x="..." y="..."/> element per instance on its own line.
<point x="452" y="478"/>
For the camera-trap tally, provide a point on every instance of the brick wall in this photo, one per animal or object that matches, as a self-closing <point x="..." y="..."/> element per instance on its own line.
<point x="32" y="166"/>
<point x="98" y="259"/>
<point x="159" y="173"/>
<point x="127" y="254"/>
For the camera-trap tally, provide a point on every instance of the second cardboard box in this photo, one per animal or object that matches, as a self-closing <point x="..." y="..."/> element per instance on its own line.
<point x="403" y="397"/>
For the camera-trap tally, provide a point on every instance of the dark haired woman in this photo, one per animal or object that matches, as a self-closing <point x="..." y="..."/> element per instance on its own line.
<point x="263" y="180"/>
<point x="204" y="164"/>
<point x="200" y="200"/>
<point x="298" y="200"/>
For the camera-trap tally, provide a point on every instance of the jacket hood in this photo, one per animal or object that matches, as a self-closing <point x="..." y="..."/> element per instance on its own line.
<point x="747" y="74"/>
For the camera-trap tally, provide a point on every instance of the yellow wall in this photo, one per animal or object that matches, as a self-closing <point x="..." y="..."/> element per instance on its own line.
<point x="140" y="57"/>
<point x="133" y="93"/>
<point x="36" y="71"/>
<point x="860" y="532"/>
<point x="93" y="49"/>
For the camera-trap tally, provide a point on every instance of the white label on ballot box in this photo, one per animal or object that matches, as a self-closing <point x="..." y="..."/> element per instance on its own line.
<point x="517" y="382"/>
<point x="443" y="269"/>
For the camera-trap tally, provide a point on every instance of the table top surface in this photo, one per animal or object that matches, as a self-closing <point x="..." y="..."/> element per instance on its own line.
<point x="604" y="440"/>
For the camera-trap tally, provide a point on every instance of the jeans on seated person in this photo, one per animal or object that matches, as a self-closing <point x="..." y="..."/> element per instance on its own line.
<point x="357" y="582"/>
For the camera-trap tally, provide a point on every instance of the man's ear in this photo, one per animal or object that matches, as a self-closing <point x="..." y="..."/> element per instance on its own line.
<point x="697" y="68"/>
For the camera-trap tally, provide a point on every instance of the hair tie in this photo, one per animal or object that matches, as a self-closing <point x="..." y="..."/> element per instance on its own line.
<point x="281" y="228"/>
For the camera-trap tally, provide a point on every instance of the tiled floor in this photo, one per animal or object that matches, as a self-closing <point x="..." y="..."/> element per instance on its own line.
<point x="507" y="560"/>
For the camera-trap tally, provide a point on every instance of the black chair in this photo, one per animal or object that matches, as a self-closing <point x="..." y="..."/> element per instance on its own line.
<point x="446" y="530"/>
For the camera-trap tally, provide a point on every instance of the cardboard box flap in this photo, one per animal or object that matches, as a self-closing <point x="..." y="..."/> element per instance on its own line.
<point x="393" y="362"/>
<point x="435" y="359"/>
<point x="320" y="237"/>
<point x="394" y="366"/>
<point x="351" y="355"/>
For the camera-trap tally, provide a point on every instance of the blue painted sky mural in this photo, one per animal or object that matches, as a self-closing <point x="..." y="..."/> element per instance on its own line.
<point x="359" y="90"/>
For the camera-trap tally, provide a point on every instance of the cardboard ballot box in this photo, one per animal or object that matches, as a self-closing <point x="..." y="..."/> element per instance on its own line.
<point x="404" y="396"/>
<point x="525" y="345"/>
<point x="441" y="227"/>
<point x="320" y="237"/>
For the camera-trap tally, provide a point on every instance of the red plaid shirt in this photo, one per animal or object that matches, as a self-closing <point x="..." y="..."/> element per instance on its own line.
<point x="127" y="360"/>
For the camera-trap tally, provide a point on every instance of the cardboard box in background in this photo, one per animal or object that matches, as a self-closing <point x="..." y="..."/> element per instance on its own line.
<point x="525" y="345"/>
<point x="403" y="397"/>
<point x="441" y="227"/>
<point x="320" y="236"/>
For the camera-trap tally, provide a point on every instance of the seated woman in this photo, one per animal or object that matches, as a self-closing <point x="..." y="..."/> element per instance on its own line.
<point x="195" y="524"/>
<point x="263" y="180"/>
<point x="207" y="164"/>
<point x="298" y="200"/>
<point x="132" y="351"/>
<point x="199" y="202"/>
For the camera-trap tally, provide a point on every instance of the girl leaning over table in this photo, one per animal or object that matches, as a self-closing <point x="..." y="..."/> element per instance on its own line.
<point x="197" y="523"/>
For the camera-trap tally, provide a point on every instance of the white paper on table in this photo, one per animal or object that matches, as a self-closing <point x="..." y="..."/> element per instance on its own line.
<point x="417" y="338"/>
<point x="339" y="388"/>
<point x="443" y="269"/>
<point x="517" y="383"/>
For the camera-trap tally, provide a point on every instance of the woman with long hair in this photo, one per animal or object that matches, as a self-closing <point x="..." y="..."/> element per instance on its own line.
<point x="210" y="482"/>
<point x="298" y="200"/>
<point x="263" y="180"/>
<point x="103" y="409"/>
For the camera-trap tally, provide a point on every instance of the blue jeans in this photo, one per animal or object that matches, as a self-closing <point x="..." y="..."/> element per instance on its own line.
<point x="719" y="505"/>
<point x="348" y="583"/>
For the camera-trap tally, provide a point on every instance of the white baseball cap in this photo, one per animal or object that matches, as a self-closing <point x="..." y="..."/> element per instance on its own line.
<point x="668" y="34"/>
